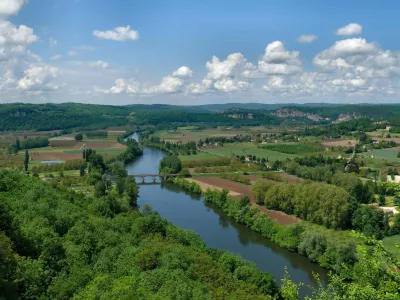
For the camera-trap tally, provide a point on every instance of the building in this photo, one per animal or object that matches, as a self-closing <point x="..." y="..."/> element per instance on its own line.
<point x="62" y="141"/>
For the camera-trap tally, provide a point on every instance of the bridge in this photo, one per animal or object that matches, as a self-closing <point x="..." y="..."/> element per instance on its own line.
<point x="154" y="176"/>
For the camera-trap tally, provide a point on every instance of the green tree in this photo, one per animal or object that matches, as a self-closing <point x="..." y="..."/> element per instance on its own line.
<point x="82" y="171"/>
<point x="26" y="160"/>
<point x="170" y="165"/>
<point x="100" y="189"/>
<point x="79" y="137"/>
<point x="131" y="189"/>
<point x="17" y="144"/>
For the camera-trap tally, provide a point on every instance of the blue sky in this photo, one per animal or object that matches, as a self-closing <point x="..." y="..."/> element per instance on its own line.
<point x="150" y="51"/>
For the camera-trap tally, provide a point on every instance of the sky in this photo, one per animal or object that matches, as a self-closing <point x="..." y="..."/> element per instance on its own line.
<point x="190" y="52"/>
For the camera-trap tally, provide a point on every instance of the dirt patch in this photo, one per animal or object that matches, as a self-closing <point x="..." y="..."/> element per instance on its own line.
<point x="290" y="178"/>
<point x="238" y="190"/>
<point x="254" y="178"/>
<point x="205" y="186"/>
<point x="337" y="143"/>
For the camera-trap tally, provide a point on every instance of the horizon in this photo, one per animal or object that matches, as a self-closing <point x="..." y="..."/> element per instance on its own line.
<point x="184" y="53"/>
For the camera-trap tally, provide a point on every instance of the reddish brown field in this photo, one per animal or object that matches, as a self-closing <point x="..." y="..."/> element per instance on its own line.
<point x="337" y="143"/>
<point x="239" y="191"/>
<point x="290" y="178"/>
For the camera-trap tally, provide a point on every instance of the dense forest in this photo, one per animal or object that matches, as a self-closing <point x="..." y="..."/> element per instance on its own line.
<point x="58" y="244"/>
<point x="37" y="117"/>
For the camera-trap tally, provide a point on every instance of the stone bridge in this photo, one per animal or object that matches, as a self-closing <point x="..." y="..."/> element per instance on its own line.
<point x="154" y="176"/>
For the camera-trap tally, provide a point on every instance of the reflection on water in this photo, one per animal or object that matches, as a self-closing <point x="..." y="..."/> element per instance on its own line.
<point x="188" y="211"/>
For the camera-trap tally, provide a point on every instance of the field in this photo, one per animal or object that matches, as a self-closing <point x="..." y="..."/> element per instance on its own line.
<point x="390" y="244"/>
<point x="237" y="190"/>
<point x="188" y="133"/>
<point x="381" y="155"/>
<point x="339" y="143"/>
<point x="248" y="149"/>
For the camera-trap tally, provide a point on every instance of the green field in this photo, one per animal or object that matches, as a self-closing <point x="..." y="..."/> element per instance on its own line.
<point x="248" y="149"/>
<point x="198" y="156"/>
<point x="390" y="244"/>
<point x="381" y="155"/>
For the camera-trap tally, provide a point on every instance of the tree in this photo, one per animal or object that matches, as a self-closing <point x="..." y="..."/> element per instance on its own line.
<point x="381" y="200"/>
<point x="79" y="137"/>
<point x="170" y="165"/>
<point x="100" y="189"/>
<point x="17" y="144"/>
<point x="131" y="189"/>
<point x="260" y="188"/>
<point x="26" y="160"/>
<point x="82" y="171"/>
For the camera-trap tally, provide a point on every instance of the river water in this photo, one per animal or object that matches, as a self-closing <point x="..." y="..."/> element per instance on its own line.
<point x="188" y="211"/>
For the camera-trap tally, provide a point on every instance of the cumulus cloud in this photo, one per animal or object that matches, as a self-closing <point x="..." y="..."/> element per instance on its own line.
<point x="306" y="38"/>
<point x="183" y="72"/>
<point x="14" y="40"/>
<point x="98" y="64"/>
<point x="276" y="61"/>
<point x="11" y="7"/>
<point x="119" y="34"/>
<point x="229" y="85"/>
<point x="350" y="29"/>
<point x="38" y="79"/>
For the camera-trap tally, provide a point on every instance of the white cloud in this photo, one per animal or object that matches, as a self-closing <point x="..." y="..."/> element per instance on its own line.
<point x="11" y="7"/>
<point x="350" y="29"/>
<point x="229" y="85"/>
<point x="219" y="69"/>
<point x="306" y="38"/>
<point x="169" y="84"/>
<point x="38" y="79"/>
<point x="56" y="57"/>
<point x="98" y="64"/>
<point x="72" y="53"/>
<point x="119" y="34"/>
<point x="276" y="61"/>
<point x="183" y="72"/>
<point x="14" y="40"/>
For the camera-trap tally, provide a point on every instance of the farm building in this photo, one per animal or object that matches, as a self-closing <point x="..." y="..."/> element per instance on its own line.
<point x="62" y="141"/>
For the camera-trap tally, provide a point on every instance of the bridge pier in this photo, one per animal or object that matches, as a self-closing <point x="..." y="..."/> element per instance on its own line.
<point x="154" y="179"/>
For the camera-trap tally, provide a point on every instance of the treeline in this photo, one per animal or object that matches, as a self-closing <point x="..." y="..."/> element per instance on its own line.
<point x="296" y="237"/>
<point x="132" y="151"/>
<point x="328" y="205"/>
<point x="224" y="140"/>
<point x="80" y="246"/>
<point x="183" y="183"/>
<point x="237" y="178"/>
<point x="149" y="139"/>
<point x="97" y="134"/>
<point x="38" y="142"/>
<point x="42" y="117"/>
<point x="318" y="203"/>
<point x="343" y="129"/>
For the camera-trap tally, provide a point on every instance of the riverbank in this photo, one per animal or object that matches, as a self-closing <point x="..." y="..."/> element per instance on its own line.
<point x="310" y="240"/>
<point x="188" y="210"/>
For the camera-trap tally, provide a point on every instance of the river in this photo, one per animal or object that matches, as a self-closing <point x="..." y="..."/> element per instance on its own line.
<point x="188" y="211"/>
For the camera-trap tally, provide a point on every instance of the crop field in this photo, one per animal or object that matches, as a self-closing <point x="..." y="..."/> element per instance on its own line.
<point x="106" y="147"/>
<point x="339" y="143"/>
<point x="199" y="156"/>
<point x="381" y="155"/>
<point x="297" y="148"/>
<point x="248" y="149"/>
